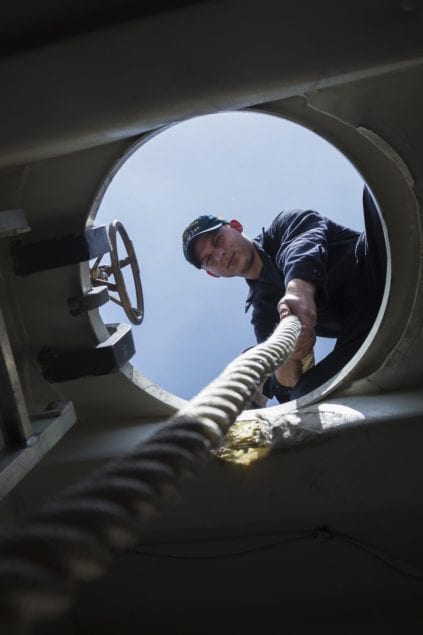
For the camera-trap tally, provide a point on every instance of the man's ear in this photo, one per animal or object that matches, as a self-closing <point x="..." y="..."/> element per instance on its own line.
<point x="213" y="275"/>
<point x="235" y="224"/>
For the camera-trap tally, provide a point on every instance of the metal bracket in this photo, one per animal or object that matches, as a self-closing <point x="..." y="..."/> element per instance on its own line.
<point x="59" y="252"/>
<point x="103" y="359"/>
<point x="93" y="299"/>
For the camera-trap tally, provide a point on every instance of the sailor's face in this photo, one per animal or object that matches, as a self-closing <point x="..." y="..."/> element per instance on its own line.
<point x="225" y="252"/>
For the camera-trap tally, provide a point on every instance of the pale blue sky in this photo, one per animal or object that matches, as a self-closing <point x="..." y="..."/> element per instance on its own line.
<point x="247" y="166"/>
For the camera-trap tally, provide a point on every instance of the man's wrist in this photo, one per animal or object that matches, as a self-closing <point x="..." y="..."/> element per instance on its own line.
<point x="299" y="285"/>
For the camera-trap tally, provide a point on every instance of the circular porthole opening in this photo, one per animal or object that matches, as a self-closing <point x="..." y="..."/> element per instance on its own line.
<point x="246" y="166"/>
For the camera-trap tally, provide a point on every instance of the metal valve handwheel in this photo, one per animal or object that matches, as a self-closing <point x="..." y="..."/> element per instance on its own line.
<point x="100" y="274"/>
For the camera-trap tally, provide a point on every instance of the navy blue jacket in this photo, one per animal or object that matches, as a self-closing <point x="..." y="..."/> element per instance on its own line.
<point x="307" y="245"/>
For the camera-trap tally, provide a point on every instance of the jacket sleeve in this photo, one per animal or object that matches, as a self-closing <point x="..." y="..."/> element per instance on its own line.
<point x="265" y="316"/>
<point x="303" y="249"/>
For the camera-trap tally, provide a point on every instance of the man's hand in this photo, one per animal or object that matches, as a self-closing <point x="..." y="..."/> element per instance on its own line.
<point x="289" y="373"/>
<point x="299" y="300"/>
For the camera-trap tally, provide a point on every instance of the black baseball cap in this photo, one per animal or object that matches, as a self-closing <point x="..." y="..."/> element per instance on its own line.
<point x="200" y="225"/>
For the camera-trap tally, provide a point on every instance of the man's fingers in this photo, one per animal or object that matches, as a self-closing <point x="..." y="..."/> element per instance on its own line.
<point x="283" y="310"/>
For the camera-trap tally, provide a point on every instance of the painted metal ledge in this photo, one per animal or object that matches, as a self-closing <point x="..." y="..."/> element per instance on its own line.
<point x="48" y="429"/>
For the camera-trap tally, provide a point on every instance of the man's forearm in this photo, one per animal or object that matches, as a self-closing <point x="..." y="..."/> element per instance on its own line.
<point x="289" y="373"/>
<point x="299" y="300"/>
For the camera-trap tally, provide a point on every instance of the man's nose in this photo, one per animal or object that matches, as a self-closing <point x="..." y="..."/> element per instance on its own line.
<point x="219" y="254"/>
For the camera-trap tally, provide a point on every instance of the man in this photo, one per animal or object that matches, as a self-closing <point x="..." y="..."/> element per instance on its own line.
<point x="331" y="277"/>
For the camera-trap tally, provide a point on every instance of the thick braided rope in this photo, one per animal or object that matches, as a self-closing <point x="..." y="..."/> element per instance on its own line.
<point x="74" y="537"/>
